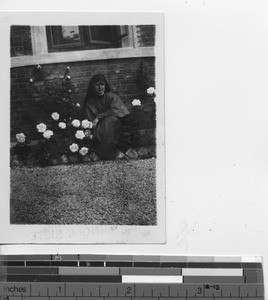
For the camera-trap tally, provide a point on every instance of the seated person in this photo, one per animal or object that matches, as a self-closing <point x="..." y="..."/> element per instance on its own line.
<point x="106" y="111"/>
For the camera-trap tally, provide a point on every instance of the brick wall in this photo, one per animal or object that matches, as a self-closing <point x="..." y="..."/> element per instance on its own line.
<point x="120" y="73"/>
<point x="146" y="35"/>
<point x="20" y="41"/>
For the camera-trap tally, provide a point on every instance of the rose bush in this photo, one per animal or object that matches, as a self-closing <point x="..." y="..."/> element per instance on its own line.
<point x="60" y="130"/>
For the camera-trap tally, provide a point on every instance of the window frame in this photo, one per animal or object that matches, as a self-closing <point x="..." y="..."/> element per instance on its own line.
<point x="86" y="40"/>
<point x="59" y="47"/>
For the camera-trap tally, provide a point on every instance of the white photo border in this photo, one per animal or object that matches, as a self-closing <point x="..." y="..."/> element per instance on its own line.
<point x="81" y="234"/>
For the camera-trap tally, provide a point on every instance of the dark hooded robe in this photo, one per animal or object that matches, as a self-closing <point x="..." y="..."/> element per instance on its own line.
<point x="109" y="110"/>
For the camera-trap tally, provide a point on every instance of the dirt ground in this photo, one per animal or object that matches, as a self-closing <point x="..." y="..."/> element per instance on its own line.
<point x="100" y="193"/>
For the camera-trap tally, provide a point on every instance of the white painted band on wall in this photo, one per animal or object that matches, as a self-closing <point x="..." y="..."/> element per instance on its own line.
<point x="83" y="55"/>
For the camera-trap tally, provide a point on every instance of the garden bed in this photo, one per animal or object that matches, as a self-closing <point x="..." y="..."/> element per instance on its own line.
<point x="63" y="134"/>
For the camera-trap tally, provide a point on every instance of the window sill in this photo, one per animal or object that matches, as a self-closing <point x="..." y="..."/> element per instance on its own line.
<point x="84" y="55"/>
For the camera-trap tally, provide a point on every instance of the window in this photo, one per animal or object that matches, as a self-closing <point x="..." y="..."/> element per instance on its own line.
<point x="70" y="38"/>
<point x="107" y="42"/>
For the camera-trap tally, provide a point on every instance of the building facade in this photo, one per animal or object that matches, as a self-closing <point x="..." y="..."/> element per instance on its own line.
<point x="124" y="54"/>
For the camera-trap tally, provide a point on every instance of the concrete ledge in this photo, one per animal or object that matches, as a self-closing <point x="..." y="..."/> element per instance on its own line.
<point x="83" y="55"/>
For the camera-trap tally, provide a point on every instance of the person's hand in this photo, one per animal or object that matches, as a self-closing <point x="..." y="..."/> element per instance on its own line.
<point x="95" y="122"/>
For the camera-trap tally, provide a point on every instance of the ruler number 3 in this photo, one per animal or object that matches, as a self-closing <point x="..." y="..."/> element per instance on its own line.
<point x="199" y="290"/>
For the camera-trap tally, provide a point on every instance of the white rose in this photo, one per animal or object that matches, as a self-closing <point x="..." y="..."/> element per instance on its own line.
<point x="62" y="125"/>
<point x="41" y="127"/>
<point x="78" y="104"/>
<point x="55" y="116"/>
<point x="74" y="147"/>
<point x="87" y="124"/>
<point x="76" y="123"/>
<point x="80" y="134"/>
<point x="83" y="151"/>
<point x="20" y="137"/>
<point x="136" y="102"/>
<point x="151" y="91"/>
<point x="48" y="134"/>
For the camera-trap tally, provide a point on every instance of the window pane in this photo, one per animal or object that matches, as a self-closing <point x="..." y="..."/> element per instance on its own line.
<point x="102" y="33"/>
<point x="65" y="35"/>
<point x="73" y="38"/>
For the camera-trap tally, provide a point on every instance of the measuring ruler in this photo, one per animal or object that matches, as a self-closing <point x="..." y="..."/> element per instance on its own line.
<point x="125" y="277"/>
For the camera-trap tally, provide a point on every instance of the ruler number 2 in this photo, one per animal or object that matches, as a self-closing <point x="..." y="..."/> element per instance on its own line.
<point x="129" y="291"/>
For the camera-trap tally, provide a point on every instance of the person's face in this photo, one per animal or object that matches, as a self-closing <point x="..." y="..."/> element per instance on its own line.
<point x="99" y="88"/>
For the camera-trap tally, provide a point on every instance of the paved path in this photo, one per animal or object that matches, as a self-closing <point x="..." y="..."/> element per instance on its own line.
<point x="101" y="193"/>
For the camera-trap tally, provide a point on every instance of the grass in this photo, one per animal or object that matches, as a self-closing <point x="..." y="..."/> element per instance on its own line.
<point x="100" y="193"/>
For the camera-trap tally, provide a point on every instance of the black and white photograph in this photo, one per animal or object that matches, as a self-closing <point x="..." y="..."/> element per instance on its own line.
<point x="86" y="122"/>
<point x="134" y="133"/>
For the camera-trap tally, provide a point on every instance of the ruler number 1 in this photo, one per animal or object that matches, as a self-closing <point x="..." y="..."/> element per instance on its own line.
<point x="199" y="290"/>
